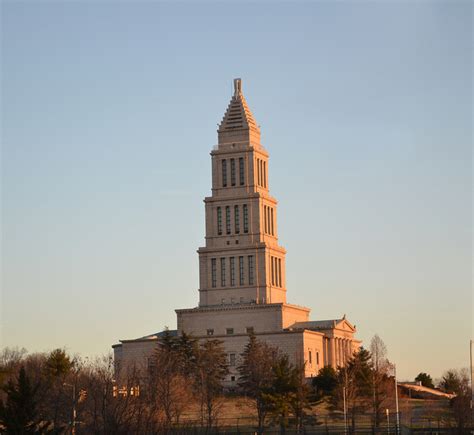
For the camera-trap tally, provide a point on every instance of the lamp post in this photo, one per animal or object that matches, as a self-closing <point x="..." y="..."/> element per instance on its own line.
<point x="74" y="414"/>
<point x="345" y="409"/>
<point x="397" y="428"/>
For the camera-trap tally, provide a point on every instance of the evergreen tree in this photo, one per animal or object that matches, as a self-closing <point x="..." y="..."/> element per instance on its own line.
<point x="325" y="382"/>
<point x="256" y="375"/>
<point x="19" y="413"/>
<point x="425" y="380"/>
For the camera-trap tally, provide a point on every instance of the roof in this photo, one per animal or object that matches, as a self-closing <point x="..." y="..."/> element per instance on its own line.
<point x="156" y="335"/>
<point x="318" y="325"/>
<point x="238" y="118"/>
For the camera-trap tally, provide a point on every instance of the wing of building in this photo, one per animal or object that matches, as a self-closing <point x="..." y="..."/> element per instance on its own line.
<point x="242" y="285"/>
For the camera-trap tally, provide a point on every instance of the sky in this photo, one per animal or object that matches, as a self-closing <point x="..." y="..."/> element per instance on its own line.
<point x="109" y="112"/>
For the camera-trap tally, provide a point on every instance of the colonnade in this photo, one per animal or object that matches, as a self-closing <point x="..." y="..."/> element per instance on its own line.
<point x="339" y="351"/>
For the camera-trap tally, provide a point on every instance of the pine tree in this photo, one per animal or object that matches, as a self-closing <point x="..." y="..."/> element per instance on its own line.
<point x="256" y="375"/>
<point x="19" y="414"/>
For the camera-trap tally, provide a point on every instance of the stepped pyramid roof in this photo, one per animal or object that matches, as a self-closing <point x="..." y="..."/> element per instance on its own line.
<point x="238" y="122"/>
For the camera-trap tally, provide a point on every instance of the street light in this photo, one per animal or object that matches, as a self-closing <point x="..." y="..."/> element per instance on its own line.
<point x="73" y="422"/>
<point x="397" y="429"/>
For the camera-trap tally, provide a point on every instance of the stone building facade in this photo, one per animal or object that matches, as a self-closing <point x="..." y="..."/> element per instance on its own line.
<point x="242" y="285"/>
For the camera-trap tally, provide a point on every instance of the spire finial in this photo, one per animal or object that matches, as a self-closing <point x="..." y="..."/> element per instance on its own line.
<point x="237" y="87"/>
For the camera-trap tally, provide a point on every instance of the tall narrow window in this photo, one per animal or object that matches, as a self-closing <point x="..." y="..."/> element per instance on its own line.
<point x="265" y="218"/>
<point x="213" y="272"/>
<point x="280" y="283"/>
<point x="236" y="219"/>
<point x="272" y="222"/>
<point x="223" y="283"/>
<point x="227" y="219"/>
<point x="232" y="271"/>
<point x="224" y="173"/>
<point x="232" y="359"/>
<point x="219" y="221"/>
<point x="310" y="358"/>
<point x="241" y="171"/>
<point x="241" y="271"/>
<point x="273" y="269"/>
<point x="265" y="174"/>
<point x="251" y="267"/>
<point x="246" y="218"/>
<point x="232" y="172"/>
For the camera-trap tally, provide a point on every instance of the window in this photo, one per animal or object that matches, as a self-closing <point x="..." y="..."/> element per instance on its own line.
<point x="279" y="273"/>
<point x="310" y="358"/>
<point x="317" y="358"/>
<point x="236" y="219"/>
<point x="251" y="266"/>
<point x="232" y="359"/>
<point x="273" y="269"/>
<point x="241" y="171"/>
<point x="268" y="220"/>
<point x="241" y="271"/>
<point x="265" y="174"/>
<point x="232" y="378"/>
<point x="224" y="173"/>
<point x="232" y="172"/>
<point x="241" y="300"/>
<point x="223" y="283"/>
<point x="265" y="218"/>
<point x="246" y="218"/>
<point x="227" y="220"/>
<point x="210" y="332"/>
<point x="219" y="221"/>
<point x="249" y="329"/>
<point x="232" y="271"/>
<point x="271" y="221"/>
<point x="213" y="272"/>
<point x="229" y="331"/>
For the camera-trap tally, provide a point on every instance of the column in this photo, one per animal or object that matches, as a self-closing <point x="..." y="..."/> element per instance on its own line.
<point x="332" y="352"/>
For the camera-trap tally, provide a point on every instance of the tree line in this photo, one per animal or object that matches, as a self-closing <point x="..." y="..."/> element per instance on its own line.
<point x="58" y="393"/>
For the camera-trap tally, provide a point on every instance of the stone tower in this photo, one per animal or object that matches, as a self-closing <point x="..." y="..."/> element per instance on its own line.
<point x="242" y="262"/>
<point x="242" y="286"/>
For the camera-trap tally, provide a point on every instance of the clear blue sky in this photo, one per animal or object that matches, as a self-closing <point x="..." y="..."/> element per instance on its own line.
<point x="109" y="112"/>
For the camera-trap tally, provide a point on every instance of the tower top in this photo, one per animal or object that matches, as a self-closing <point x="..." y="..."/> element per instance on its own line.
<point x="238" y="123"/>
<point x="237" y="87"/>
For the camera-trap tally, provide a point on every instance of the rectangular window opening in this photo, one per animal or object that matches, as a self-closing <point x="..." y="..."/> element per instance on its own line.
<point x="229" y="331"/>
<point x="251" y="266"/>
<point x="241" y="271"/>
<point x="232" y="172"/>
<point x="241" y="171"/>
<point x="213" y="272"/>
<point x="219" y="221"/>
<point x="223" y="280"/>
<point x="232" y="271"/>
<point x="227" y="220"/>
<point x="224" y="173"/>
<point x="246" y="218"/>
<point x="236" y="219"/>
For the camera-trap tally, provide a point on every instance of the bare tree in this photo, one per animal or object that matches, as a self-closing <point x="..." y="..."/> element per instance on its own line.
<point x="381" y="369"/>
